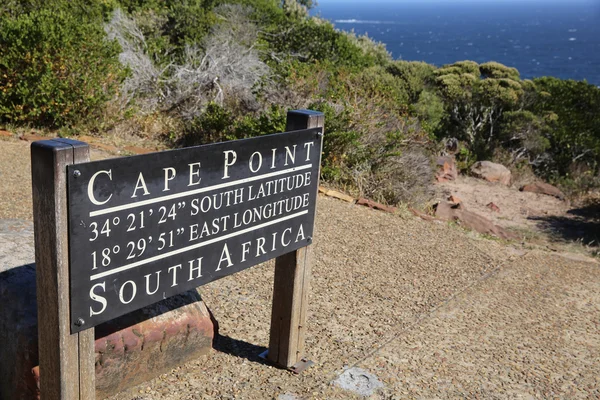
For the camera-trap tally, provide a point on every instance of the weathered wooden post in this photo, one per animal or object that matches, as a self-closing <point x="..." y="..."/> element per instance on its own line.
<point x="66" y="360"/>
<point x="292" y="281"/>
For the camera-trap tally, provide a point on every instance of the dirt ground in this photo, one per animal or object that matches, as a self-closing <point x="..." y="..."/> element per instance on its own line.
<point x="399" y="308"/>
<point x="538" y="219"/>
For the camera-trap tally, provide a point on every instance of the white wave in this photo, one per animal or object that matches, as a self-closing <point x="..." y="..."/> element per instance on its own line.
<point x="572" y="39"/>
<point x="572" y="30"/>
<point x="361" y="21"/>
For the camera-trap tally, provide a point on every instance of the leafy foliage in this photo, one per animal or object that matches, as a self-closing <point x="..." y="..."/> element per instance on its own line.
<point x="56" y="68"/>
<point x="574" y="137"/>
<point x="229" y="69"/>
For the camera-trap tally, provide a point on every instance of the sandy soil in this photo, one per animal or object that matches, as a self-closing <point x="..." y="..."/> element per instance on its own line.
<point x="429" y="310"/>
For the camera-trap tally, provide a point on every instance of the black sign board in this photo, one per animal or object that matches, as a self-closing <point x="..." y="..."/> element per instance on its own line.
<point x="147" y="227"/>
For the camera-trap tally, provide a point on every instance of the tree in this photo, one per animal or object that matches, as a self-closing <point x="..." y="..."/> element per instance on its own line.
<point x="575" y="137"/>
<point x="476" y="96"/>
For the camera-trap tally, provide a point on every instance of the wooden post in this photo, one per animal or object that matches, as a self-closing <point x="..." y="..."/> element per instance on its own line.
<point x="292" y="279"/>
<point x="66" y="361"/>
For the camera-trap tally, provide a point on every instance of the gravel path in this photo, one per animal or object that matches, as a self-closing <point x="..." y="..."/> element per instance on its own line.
<point x="428" y="309"/>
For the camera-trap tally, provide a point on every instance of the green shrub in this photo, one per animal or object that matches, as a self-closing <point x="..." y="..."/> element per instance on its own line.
<point x="213" y="125"/>
<point x="340" y="144"/>
<point x="415" y="76"/>
<point x="317" y="40"/>
<point x="217" y="124"/>
<point x="56" y="68"/>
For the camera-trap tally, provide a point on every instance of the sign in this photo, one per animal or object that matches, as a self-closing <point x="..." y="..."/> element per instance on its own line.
<point x="147" y="227"/>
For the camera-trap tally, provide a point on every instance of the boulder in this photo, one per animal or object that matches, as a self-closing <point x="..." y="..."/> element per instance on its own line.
<point x="129" y="350"/>
<point x="543" y="188"/>
<point x="151" y="341"/>
<point x="491" y="172"/>
<point x="446" y="169"/>
<point x="456" y="212"/>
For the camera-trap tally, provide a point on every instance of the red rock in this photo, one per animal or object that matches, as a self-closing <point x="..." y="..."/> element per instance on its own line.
<point x="456" y="212"/>
<point x="543" y="188"/>
<point x="128" y="350"/>
<point x="422" y="215"/>
<point x="375" y="205"/>
<point x="491" y="172"/>
<point x="493" y="207"/>
<point x="454" y="199"/>
<point x="447" y="170"/>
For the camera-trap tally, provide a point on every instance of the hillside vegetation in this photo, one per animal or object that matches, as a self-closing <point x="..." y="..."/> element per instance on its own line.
<point x="190" y="72"/>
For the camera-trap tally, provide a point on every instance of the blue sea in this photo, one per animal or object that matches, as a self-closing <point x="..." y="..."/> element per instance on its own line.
<point x="539" y="38"/>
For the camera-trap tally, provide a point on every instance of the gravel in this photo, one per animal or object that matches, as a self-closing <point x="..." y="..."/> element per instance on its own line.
<point x="430" y="310"/>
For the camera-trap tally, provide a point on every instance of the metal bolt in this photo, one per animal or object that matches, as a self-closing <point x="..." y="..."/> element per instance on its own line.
<point x="80" y="321"/>
<point x="320" y="133"/>
<point x="77" y="173"/>
<point x="309" y="239"/>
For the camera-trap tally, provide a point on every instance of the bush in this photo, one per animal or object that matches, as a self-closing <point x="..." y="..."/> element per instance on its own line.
<point x="224" y="68"/>
<point x="415" y="76"/>
<point x="317" y="40"/>
<point x="217" y="124"/>
<point x="56" y="68"/>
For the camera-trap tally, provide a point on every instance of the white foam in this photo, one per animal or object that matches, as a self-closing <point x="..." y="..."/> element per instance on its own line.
<point x="362" y="21"/>
<point x="572" y="39"/>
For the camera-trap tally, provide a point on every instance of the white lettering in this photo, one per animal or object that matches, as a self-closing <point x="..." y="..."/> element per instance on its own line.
<point x="292" y="156"/>
<point x="260" y="160"/>
<point x="174" y="270"/>
<point x="148" y="292"/>
<point x="141" y="184"/>
<point x="133" y="292"/>
<point x="228" y="161"/>
<point x="225" y="256"/>
<point x="91" y="187"/>
<point x="169" y="175"/>
<point x="309" y="145"/>
<point x="195" y="269"/>
<point x="98" y="298"/>
<point x="194" y="173"/>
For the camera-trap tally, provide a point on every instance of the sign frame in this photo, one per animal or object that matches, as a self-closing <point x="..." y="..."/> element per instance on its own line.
<point x="140" y="226"/>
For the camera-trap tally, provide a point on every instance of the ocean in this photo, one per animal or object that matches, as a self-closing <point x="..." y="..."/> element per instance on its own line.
<point x="539" y="38"/>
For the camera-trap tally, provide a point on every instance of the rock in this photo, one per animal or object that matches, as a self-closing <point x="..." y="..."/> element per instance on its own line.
<point x="454" y="199"/>
<point x="359" y="381"/>
<point x="493" y="207"/>
<point x="129" y="350"/>
<point x="446" y="169"/>
<point x="543" y="188"/>
<point x="337" y="195"/>
<point x="456" y="212"/>
<point x="491" y="172"/>
<point x="422" y="215"/>
<point x="375" y="205"/>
